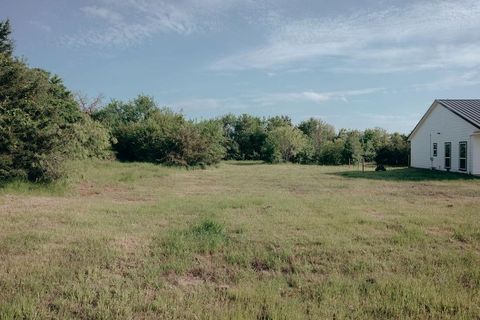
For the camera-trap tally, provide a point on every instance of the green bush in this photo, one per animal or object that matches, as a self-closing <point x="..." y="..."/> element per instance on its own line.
<point x="146" y="133"/>
<point x="197" y="144"/>
<point x="149" y="140"/>
<point x="91" y="140"/>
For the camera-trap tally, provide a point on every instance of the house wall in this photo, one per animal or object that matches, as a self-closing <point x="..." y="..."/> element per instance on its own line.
<point x="476" y="154"/>
<point x="439" y="127"/>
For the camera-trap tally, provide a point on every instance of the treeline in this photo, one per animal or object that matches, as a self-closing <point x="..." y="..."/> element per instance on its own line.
<point x="42" y="125"/>
<point x="313" y="141"/>
<point x="143" y="132"/>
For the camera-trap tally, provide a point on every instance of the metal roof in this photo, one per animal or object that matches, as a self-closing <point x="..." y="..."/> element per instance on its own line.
<point x="467" y="109"/>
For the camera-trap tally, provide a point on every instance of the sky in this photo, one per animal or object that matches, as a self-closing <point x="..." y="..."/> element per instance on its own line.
<point x="354" y="63"/>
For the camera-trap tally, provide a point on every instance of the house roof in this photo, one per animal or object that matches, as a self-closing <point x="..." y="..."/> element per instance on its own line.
<point x="467" y="109"/>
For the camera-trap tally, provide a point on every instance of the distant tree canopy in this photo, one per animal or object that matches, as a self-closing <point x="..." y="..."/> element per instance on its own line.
<point x="313" y="141"/>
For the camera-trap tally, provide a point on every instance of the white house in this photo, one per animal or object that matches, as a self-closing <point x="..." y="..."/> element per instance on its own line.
<point x="448" y="137"/>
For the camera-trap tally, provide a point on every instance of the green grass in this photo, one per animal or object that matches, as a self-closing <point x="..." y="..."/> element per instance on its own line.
<point x="244" y="240"/>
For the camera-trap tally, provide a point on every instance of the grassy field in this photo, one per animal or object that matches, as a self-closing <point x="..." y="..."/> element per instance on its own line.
<point x="243" y="240"/>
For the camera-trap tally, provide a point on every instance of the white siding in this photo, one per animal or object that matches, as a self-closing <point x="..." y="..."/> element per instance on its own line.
<point x="441" y="126"/>
<point x="476" y="154"/>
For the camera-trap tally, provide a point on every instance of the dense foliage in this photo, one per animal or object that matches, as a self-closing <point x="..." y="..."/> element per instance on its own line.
<point x="313" y="141"/>
<point x="287" y="143"/>
<point x="394" y="152"/>
<point x="144" y="132"/>
<point x="41" y="125"/>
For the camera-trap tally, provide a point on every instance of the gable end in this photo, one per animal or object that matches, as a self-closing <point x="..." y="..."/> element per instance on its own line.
<point x="446" y="106"/>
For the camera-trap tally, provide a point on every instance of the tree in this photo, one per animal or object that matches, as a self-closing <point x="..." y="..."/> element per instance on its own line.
<point x="372" y="141"/>
<point x="87" y="104"/>
<point x="331" y="153"/>
<point x="6" y="43"/>
<point x="286" y="144"/>
<point x="118" y="112"/>
<point x="278" y="121"/>
<point x="319" y="133"/>
<point x="395" y="152"/>
<point x="250" y="135"/>
<point x="40" y="124"/>
<point x="232" y="151"/>
<point x="352" y="146"/>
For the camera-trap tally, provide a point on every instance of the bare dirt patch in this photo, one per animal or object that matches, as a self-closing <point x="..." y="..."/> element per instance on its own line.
<point x="132" y="254"/>
<point x="439" y="232"/>
<point x="129" y="244"/>
<point x="188" y="280"/>
<point x="12" y="204"/>
<point x="118" y="193"/>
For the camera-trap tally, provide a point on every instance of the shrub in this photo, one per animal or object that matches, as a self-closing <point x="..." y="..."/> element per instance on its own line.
<point x="144" y="132"/>
<point x="197" y="144"/>
<point x="149" y="140"/>
<point x="90" y="140"/>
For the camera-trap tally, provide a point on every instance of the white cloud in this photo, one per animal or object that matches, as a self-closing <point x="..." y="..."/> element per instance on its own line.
<point x="443" y="82"/>
<point x="103" y="13"/>
<point x="312" y="96"/>
<point x="396" y="123"/>
<point x="40" y="25"/>
<point x="215" y="105"/>
<point x="129" y="22"/>
<point x="224" y="105"/>
<point x="423" y="35"/>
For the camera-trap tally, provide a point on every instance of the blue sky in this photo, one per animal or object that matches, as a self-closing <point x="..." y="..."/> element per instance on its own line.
<point x="355" y="64"/>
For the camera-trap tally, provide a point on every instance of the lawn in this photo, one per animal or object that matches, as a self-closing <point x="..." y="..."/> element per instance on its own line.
<point x="242" y="240"/>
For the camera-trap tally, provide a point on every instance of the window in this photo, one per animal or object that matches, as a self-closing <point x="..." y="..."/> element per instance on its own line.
<point x="448" y="155"/>
<point x="435" y="149"/>
<point x="462" y="151"/>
